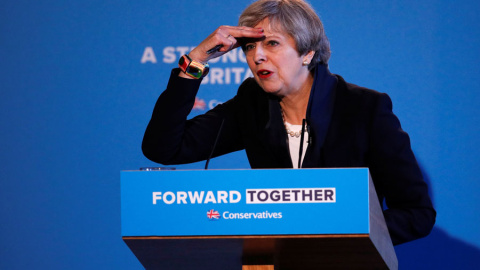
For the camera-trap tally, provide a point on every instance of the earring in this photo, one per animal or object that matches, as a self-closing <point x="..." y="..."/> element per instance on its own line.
<point x="305" y="63"/>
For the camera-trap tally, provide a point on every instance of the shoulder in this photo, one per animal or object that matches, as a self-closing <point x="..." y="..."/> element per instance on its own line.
<point x="249" y="91"/>
<point x="354" y="91"/>
<point x="357" y="98"/>
<point x="249" y="87"/>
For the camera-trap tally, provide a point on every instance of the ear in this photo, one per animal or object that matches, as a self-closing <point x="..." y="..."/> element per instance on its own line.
<point x="307" y="58"/>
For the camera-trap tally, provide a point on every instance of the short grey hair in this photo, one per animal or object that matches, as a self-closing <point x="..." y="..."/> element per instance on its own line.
<point x="295" y="17"/>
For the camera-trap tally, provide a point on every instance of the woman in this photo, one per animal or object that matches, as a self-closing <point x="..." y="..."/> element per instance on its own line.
<point x="293" y="113"/>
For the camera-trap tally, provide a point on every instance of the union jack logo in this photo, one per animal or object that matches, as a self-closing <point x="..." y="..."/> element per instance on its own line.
<point x="212" y="215"/>
<point x="199" y="104"/>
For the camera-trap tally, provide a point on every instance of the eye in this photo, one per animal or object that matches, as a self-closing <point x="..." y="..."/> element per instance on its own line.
<point x="272" y="43"/>
<point x="249" y="47"/>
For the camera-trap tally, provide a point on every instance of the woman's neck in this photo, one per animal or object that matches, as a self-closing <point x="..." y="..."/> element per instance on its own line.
<point x="294" y="106"/>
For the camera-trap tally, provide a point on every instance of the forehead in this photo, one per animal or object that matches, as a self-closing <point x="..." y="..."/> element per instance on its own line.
<point x="272" y="27"/>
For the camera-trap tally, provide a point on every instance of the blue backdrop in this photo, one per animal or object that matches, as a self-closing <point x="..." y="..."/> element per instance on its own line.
<point x="79" y="79"/>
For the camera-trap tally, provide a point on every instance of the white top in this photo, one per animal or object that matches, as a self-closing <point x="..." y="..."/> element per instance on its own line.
<point x="294" y="143"/>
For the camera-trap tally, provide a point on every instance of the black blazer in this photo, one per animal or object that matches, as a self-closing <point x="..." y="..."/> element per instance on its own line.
<point x="349" y="126"/>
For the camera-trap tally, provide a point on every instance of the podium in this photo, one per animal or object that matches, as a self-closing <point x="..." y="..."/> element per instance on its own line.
<point x="255" y="219"/>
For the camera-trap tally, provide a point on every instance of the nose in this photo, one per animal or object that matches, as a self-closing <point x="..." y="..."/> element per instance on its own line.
<point x="259" y="55"/>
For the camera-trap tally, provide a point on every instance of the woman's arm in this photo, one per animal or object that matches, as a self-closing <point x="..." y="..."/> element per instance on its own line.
<point x="169" y="137"/>
<point x="410" y="214"/>
<point x="172" y="139"/>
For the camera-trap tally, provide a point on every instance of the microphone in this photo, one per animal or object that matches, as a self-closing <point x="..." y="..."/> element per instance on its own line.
<point x="302" y="137"/>
<point x="214" y="144"/>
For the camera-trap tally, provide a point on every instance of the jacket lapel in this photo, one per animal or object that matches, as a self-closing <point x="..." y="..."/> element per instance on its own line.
<point x="319" y="114"/>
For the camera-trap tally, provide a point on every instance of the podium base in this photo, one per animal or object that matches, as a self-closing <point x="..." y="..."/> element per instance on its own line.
<point x="257" y="267"/>
<point x="292" y="252"/>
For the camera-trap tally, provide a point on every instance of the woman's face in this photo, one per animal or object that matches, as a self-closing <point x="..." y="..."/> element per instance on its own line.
<point x="275" y="63"/>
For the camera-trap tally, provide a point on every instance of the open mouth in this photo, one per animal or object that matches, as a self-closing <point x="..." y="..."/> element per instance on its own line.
<point x="264" y="73"/>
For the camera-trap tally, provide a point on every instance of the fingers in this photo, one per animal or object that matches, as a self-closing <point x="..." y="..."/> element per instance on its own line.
<point x="223" y="40"/>
<point x="235" y="33"/>
<point x="243" y="31"/>
<point x="228" y="37"/>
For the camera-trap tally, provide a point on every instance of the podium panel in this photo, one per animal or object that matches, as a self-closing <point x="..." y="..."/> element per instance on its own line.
<point x="223" y="219"/>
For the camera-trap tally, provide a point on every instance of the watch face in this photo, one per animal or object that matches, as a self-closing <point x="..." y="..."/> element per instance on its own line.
<point x="194" y="71"/>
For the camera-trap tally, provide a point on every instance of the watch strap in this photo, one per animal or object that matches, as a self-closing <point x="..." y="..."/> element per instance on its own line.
<point x="193" y="68"/>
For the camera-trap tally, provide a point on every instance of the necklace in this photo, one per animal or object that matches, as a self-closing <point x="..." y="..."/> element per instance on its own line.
<point x="290" y="132"/>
